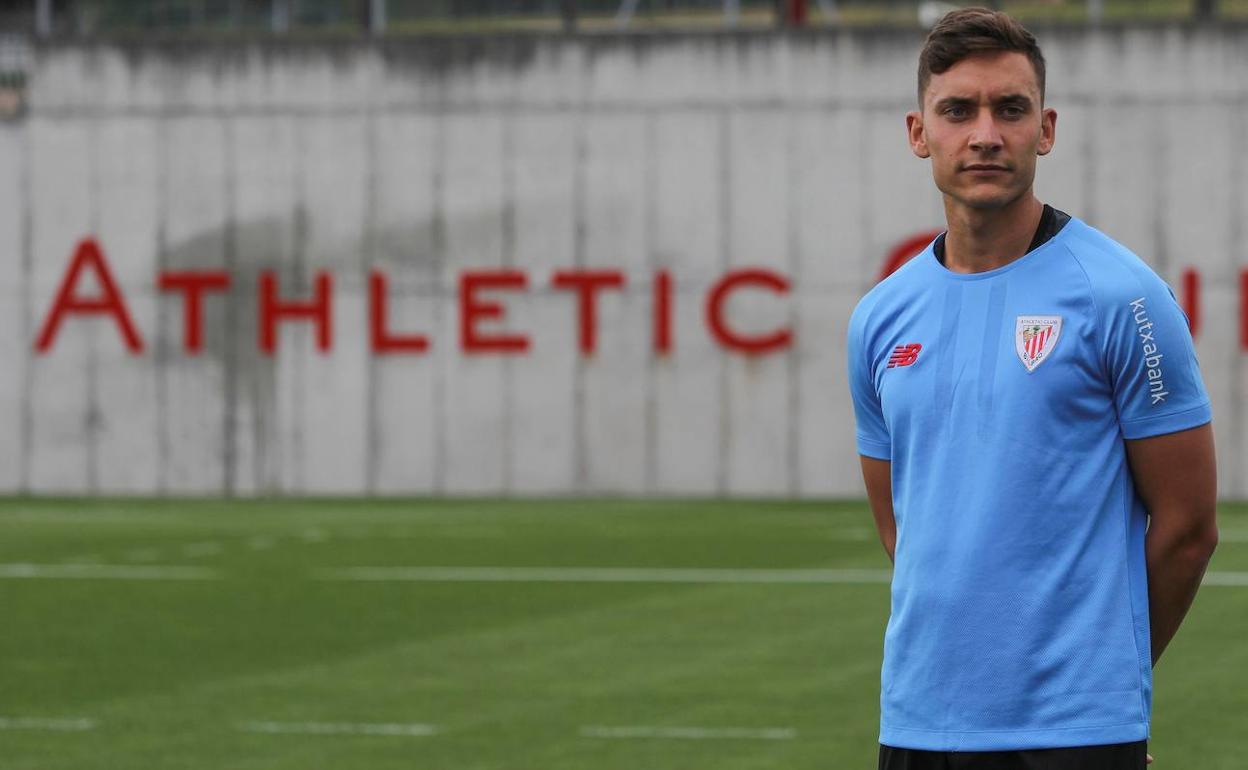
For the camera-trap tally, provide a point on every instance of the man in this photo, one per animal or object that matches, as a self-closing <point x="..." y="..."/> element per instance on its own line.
<point x="1035" y="442"/>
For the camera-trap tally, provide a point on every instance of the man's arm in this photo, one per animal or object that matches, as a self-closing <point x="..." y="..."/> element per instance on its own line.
<point x="1176" y="477"/>
<point x="878" y="476"/>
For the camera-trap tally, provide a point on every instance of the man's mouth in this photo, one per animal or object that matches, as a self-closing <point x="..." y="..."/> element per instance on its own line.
<point x="985" y="168"/>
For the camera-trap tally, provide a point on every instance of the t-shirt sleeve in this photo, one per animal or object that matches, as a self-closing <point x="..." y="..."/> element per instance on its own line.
<point x="872" y="432"/>
<point x="1152" y="360"/>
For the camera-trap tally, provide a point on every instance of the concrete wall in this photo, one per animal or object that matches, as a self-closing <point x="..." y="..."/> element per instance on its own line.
<point x="696" y="154"/>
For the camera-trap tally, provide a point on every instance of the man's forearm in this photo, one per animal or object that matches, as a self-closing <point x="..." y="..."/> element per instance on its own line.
<point x="877" y="475"/>
<point x="1176" y="563"/>
<point x="890" y="545"/>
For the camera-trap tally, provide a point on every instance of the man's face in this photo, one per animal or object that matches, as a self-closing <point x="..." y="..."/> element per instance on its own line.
<point x="983" y="124"/>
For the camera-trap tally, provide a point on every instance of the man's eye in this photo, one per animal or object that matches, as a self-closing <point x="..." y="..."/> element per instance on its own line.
<point x="957" y="112"/>
<point x="1013" y="112"/>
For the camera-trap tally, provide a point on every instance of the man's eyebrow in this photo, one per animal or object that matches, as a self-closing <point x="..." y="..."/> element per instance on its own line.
<point x="1022" y="100"/>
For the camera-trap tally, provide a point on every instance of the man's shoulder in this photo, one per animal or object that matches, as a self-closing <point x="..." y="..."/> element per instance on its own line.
<point x="1084" y="240"/>
<point x="1113" y="271"/>
<point x="898" y="288"/>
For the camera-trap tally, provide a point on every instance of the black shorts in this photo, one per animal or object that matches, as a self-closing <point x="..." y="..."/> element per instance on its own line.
<point x="1115" y="756"/>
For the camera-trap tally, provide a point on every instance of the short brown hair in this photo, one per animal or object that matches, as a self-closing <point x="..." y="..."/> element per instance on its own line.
<point x="969" y="31"/>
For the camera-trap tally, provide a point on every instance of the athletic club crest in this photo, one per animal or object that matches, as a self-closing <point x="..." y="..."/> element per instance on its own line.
<point x="1034" y="338"/>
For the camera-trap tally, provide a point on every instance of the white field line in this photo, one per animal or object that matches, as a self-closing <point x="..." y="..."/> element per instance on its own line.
<point x="260" y="543"/>
<point x="847" y="534"/>
<point x="197" y="550"/>
<point x="1233" y="535"/>
<point x="645" y="575"/>
<point x="23" y="571"/>
<point x="691" y="733"/>
<point x="90" y="558"/>
<point x="77" y="725"/>
<point x="603" y="575"/>
<point x="105" y="572"/>
<point x="338" y="728"/>
<point x="314" y="535"/>
<point x="141" y="554"/>
<point x="1233" y="579"/>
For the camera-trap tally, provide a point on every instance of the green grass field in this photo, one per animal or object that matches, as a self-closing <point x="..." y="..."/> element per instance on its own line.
<point x="203" y="634"/>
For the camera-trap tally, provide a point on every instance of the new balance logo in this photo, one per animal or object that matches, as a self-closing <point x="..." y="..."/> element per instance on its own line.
<point x="904" y="355"/>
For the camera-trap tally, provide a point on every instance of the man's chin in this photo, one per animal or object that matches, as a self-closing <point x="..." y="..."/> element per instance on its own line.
<point x="989" y="203"/>
<point x="988" y="200"/>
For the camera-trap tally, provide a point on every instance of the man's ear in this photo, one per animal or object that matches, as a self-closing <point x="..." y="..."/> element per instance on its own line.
<point x="914" y="132"/>
<point x="1048" y="131"/>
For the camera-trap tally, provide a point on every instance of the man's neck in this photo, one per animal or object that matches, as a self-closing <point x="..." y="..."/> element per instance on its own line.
<point x="980" y="240"/>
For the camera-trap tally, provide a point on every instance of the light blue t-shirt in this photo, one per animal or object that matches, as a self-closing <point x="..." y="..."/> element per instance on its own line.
<point x="1019" y="595"/>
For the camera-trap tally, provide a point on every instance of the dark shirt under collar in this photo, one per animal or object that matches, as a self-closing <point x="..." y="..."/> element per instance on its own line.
<point x="1051" y="223"/>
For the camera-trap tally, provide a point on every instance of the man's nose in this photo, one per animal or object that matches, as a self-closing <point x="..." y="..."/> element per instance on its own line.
<point x="984" y="134"/>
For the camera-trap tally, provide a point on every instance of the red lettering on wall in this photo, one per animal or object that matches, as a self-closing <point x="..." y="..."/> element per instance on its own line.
<point x="472" y="310"/>
<point x="193" y="284"/>
<point x="383" y="340"/>
<point x="795" y="13"/>
<point x="475" y="308"/>
<point x="316" y="310"/>
<point x="1191" y="299"/>
<point x="906" y="250"/>
<point x="586" y="284"/>
<point x="765" y="343"/>
<point x="1243" y="310"/>
<point x="110" y="301"/>
<point x="663" y="312"/>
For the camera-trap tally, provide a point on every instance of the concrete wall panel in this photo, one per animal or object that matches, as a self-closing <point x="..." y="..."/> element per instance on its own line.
<point x="609" y="403"/>
<point x="123" y="386"/>
<point x="1196" y="213"/>
<point x="14" y="326"/>
<point x="690" y="227"/>
<point x="827" y="263"/>
<point x="61" y="453"/>
<point x="760" y="454"/>
<point x="1233" y="449"/>
<point x="266" y="220"/>
<point x="400" y="403"/>
<point x="1124" y="175"/>
<point x="897" y="185"/>
<point x="544" y="185"/>
<point x="475" y="450"/>
<point x="195" y="170"/>
<point x="1234" y="419"/>
<point x="336" y="178"/>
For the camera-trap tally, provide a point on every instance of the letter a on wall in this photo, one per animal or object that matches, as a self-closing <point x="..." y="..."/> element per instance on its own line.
<point x="68" y="302"/>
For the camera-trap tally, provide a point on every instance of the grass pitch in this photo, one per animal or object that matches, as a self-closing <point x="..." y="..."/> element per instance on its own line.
<point x="207" y="634"/>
